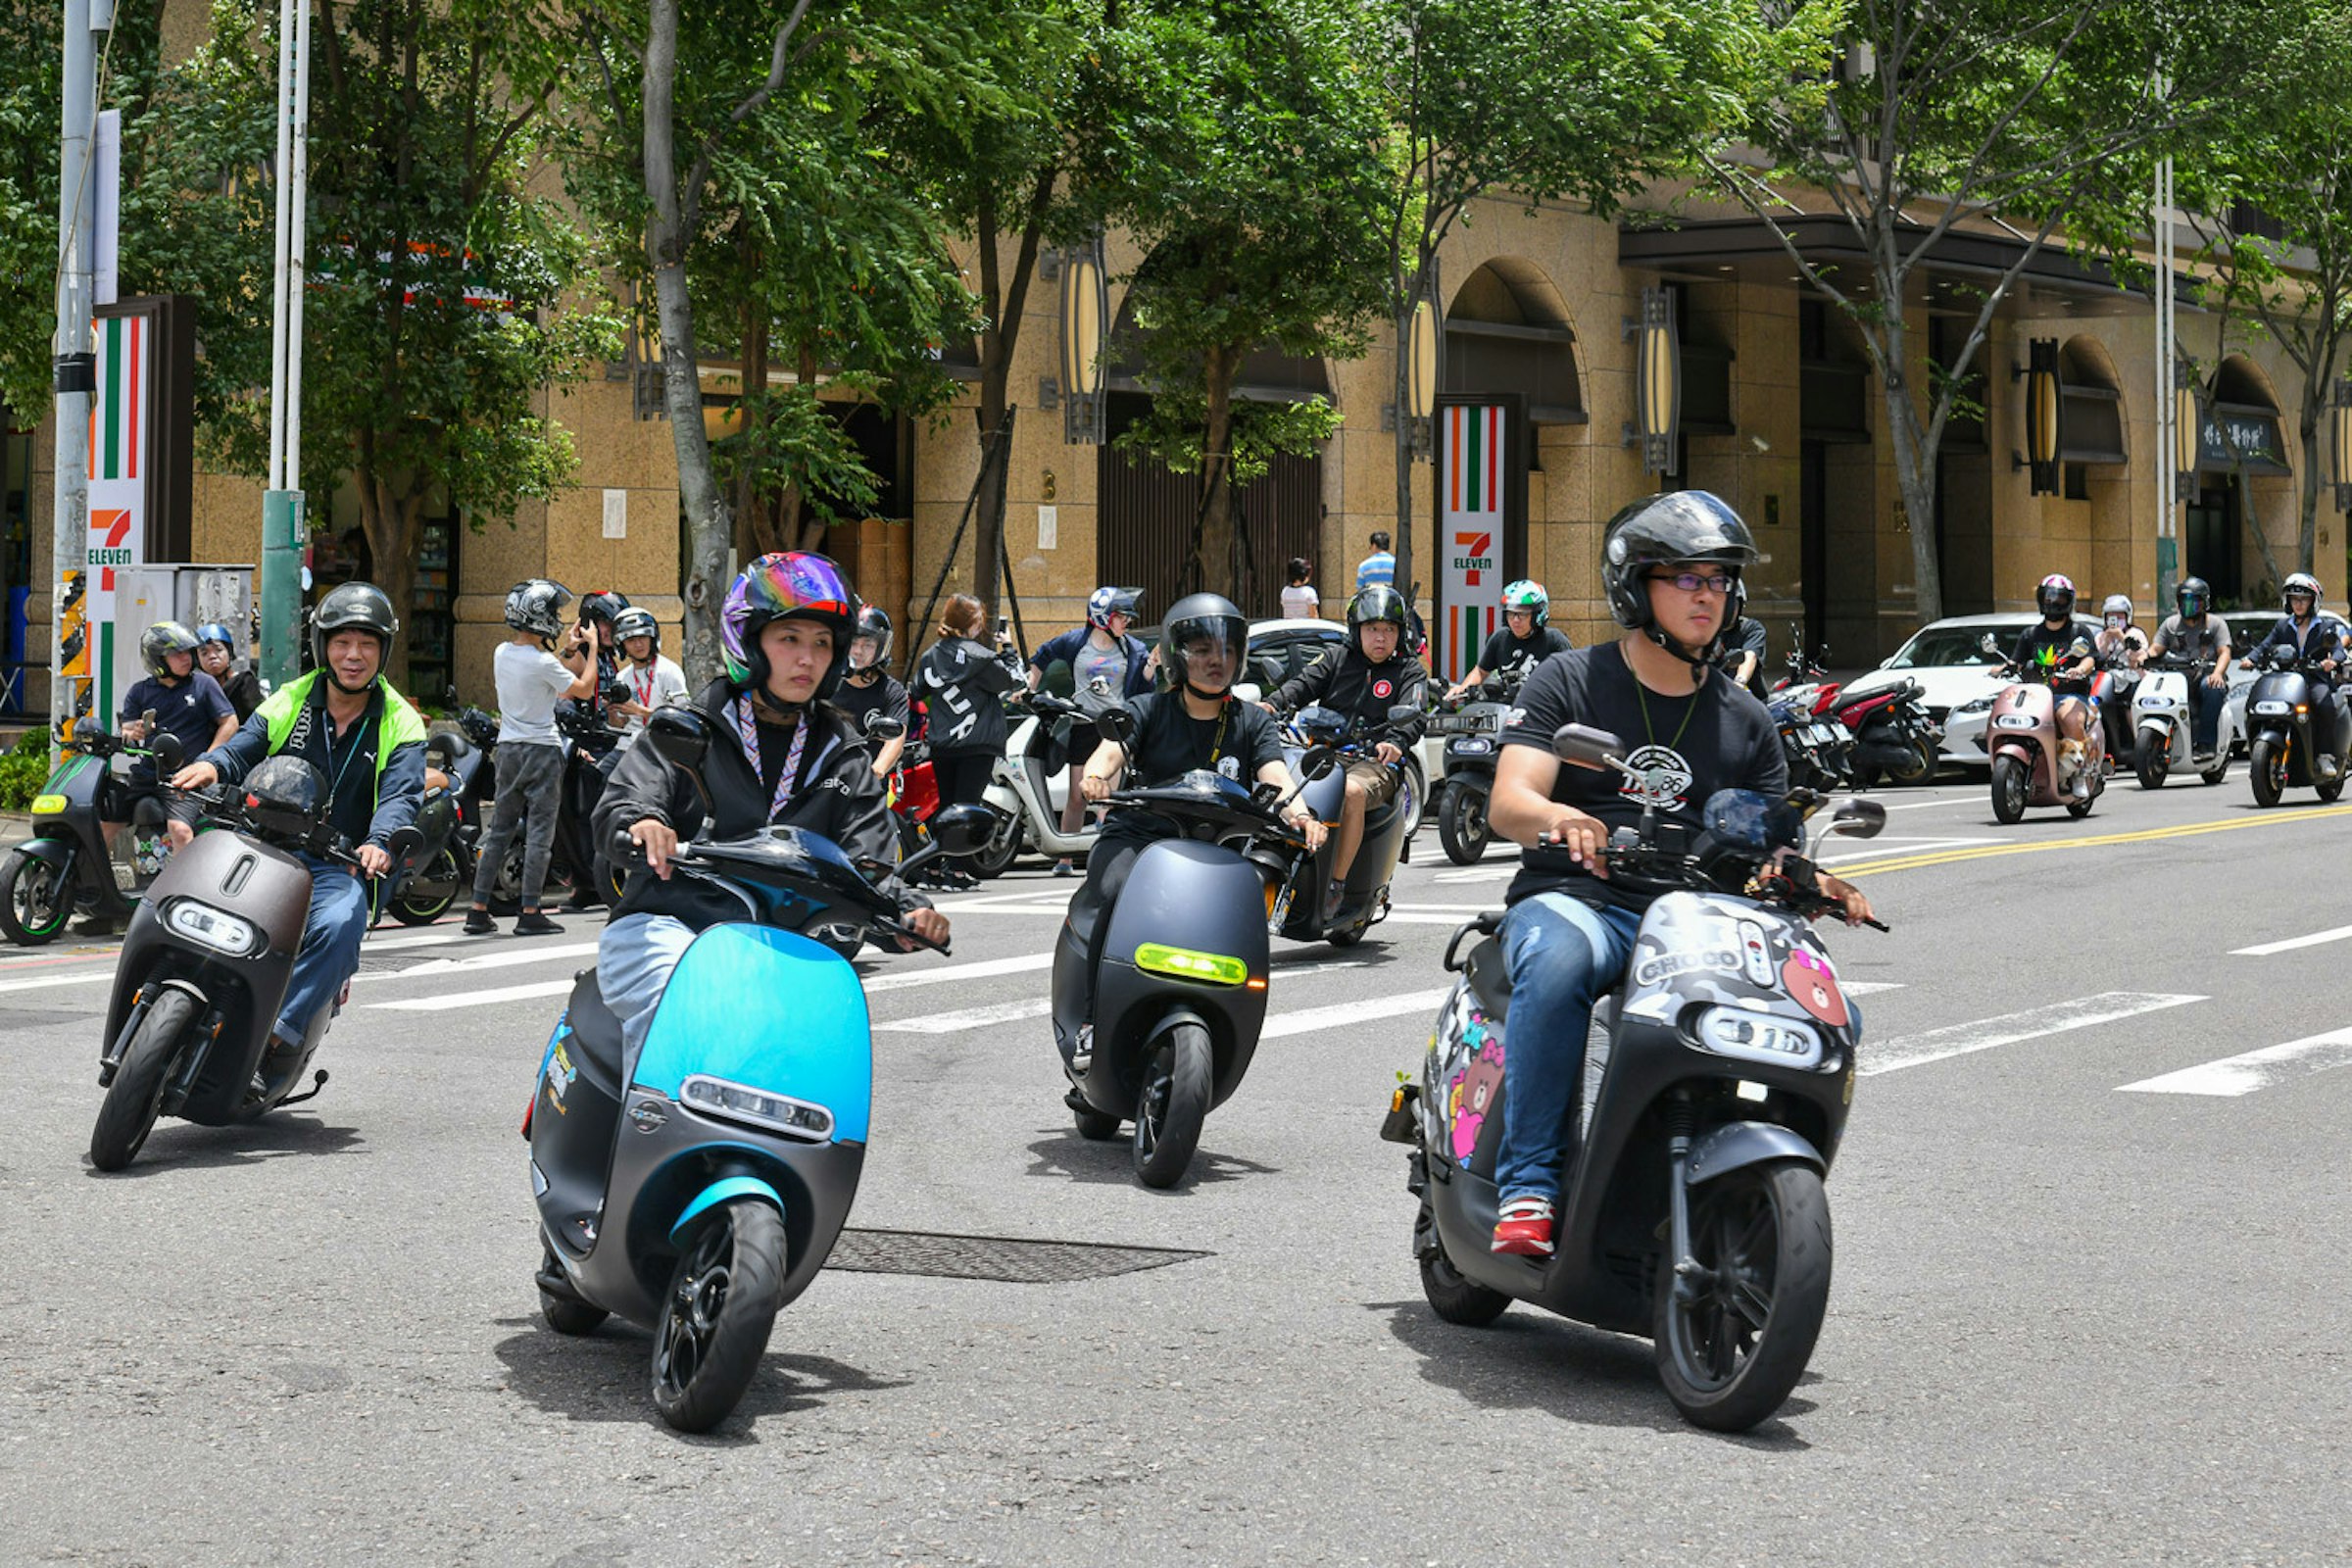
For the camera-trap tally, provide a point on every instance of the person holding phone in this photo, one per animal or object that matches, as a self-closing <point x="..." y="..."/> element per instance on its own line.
<point x="961" y="683"/>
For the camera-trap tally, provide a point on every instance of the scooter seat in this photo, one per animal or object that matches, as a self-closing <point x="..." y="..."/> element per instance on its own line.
<point x="595" y="1034"/>
<point x="1490" y="977"/>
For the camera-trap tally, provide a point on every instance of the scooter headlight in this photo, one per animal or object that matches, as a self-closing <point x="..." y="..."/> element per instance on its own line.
<point x="2015" y="721"/>
<point x="48" y="804"/>
<point x="216" y="929"/>
<point x="2272" y="708"/>
<point x="793" y="1118"/>
<point x="1756" y="1037"/>
<point x="1213" y="969"/>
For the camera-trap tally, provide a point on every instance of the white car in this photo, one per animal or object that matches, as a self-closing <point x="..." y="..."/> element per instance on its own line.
<point x="1958" y="681"/>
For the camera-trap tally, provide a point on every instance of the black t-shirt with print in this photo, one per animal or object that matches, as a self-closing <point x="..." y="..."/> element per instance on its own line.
<point x="2043" y="649"/>
<point x="1717" y="738"/>
<point x="881" y="695"/>
<point x="1509" y="656"/>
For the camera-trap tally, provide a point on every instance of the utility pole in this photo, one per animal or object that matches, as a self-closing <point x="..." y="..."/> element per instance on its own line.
<point x="74" y="366"/>
<point x="2167" y="545"/>
<point x="283" y="530"/>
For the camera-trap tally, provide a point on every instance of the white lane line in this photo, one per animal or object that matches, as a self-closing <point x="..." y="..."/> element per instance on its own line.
<point x="441" y="969"/>
<point x="2012" y="1028"/>
<point x="2263" y="950"/>
<point x="45" y="982"/>
<point x="982" y="970"/>
<point x="423" y="939"/>
<point x="948" y="1024"/>
<point x="1864" y="988"/>
<point x="479" y="999"/>
<point x="1311" y="1020"/>
<point x="2232" y="1076"/>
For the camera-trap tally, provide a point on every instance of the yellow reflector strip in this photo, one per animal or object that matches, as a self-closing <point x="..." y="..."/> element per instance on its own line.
<point x="48" y="804"/>
<point x="1213" y="967"/>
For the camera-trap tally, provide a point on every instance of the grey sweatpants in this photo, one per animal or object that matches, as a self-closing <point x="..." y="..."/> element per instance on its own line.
<point x="531" y="783"/>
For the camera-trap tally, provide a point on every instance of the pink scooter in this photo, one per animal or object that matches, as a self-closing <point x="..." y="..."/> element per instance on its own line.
<point x="2033" y="763"/>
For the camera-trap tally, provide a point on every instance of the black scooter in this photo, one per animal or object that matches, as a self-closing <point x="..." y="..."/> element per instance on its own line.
<point x="457" y="785"/>
<point x="1177" y="966"/>
<point x="1693" y="1209"/>
<point x="2282" y="750"/>
<point x="1473" y="734"/>
<point x="206" y="964"/>
<point x="1297" y="909"/>
<point x="65" y="867"/>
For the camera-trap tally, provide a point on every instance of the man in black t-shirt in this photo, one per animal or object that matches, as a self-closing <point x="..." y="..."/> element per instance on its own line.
<point x="1197" y="725"/>
<point x="1671" y="566"/>
<point x="1524" y="641"/>
<point x="2064" y="651"/>
<point x="1743" y="649"/>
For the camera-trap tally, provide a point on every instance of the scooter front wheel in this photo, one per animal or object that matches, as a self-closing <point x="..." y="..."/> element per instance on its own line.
<point x="137" y="1095"/>
<point x="1730" y="1349"/>
<point x="2008" y="788"/>
<point x="1462" y="824"/>
<point x="2267" y="769"/>
<point x="35" y="901"/>
<point x="717" y="1315"/>
<point x="2152" y="760"/>
<point x="1174" y="1104"/>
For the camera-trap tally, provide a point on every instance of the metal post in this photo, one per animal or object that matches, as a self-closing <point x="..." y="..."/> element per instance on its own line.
<point x="74" y="364"/>
<point x="282" y="528"/>
<point x="2167" y="545"/>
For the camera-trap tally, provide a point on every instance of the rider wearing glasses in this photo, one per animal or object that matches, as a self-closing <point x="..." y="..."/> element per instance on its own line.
<point x="1671" y="566"/>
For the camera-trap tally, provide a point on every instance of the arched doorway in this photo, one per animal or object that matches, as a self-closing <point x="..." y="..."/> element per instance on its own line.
<point x="2241" y="442"/>
<point x="2093" y="457"/>
<point x="1510" y="373"/>
<point x="1146" y="511"/>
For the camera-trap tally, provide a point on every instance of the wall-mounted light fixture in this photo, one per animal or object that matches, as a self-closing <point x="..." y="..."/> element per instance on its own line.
<point x="1657" y="381"/>
<point x="2045" y="415"/>
<point x="1084" y="311"/>
<point x="2339" y="448"/>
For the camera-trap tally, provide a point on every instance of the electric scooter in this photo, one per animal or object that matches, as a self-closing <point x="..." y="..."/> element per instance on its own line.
<point x="66" y="865"/>
<point x="1298" y="911"/>
<point x="1020" y="788"/>
<point x="208" y="959"/>
<point x="2163" y="722"/>
<point x="449" y="822"/>
<point x="2033" y="764"/>
<point x="698" y="1190"/>
<point x="1176" y="967"/>
<point x="2285" y="753"/>
<point x="1714" y="1098"/>
<point x="1473" y="740"/>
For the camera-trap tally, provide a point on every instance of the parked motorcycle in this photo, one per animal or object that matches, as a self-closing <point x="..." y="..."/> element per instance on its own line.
<point x="2033" y="764"/>
<point x="1715" y="1096"/>
<point x="65" y="866"/>
<point x="1177" y="966"/>
<point x="579" y="862"/>
<point x="1473" y="739"/>
<point x="1020" y="787"/>
<point x="2162" y="709"/>
<point x="699" y="1189"/>
<point x="458" y="775"/>
<point x="1815" y="747"/>
<point x="1895" y="738"/>
<point x="2282" y="753"/>
<point x="1297" y="908"/>
<point x="207" y="961"/>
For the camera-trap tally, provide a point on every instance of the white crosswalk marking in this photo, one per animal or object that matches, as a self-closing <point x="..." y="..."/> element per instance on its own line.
<point x="948" y="1024"/>
<point x="2012" y="1028"/>
<point x="2232" y="1076"/>
<point x="1311" y="1020"/>
<point x="2265" y="949"/>
<point x="514" y="957"/>
<point x="982" y="970"/>
<point x="479" y="999"/>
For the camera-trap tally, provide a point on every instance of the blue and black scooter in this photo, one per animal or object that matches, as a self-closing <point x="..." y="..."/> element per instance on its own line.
<point x="701" y="1193"/>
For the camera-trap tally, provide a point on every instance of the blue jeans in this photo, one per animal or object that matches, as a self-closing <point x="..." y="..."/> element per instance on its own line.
<point x="329" y="953"/>
<point x="2207" y="702"/>
<point x="1562" y="956"/>
<point x="634" y="961"/>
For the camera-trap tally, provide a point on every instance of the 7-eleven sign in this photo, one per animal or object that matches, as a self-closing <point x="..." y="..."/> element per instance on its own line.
<point x="1470" y="516"/>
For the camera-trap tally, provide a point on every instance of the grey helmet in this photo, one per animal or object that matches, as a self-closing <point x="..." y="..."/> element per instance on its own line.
<point x="163" y="638"/>
<point x="536" y="606"/>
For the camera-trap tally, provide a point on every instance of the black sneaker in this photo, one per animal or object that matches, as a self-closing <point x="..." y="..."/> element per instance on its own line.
<point x="479" y="924"/>
<point x="535" y="923"/>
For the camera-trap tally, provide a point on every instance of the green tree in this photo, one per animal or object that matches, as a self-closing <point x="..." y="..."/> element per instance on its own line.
<point x="1542" y="100"/>
<point x="2267" y="190"/>
<point x="2034" y="118"/>
<point x="437" y="317"/>
<point x="1239" y="144"/>
<point x="755" y="194"/>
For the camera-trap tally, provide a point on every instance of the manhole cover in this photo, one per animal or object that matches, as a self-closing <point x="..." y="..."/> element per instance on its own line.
<point x="994" y="1257"/>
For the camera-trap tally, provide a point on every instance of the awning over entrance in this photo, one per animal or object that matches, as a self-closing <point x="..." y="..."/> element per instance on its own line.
<point x="1747" y="250"/>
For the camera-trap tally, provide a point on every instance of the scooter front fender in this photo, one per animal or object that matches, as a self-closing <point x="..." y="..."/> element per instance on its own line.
<point x="59" y="851"/>
<point x="724" y="1191"/>
<point x="1734" y="1146"/>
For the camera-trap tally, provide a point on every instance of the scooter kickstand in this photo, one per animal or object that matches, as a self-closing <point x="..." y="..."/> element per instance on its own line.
<point x="317" y="1083"/>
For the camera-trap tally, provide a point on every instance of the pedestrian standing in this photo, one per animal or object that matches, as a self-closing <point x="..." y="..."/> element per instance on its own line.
<point x="1106" y="668"/>
<point x="1380" y="567"/>
<point x="531" y="680"/>
<point x="1299" y="599"/>
<point x="961" y="682"/>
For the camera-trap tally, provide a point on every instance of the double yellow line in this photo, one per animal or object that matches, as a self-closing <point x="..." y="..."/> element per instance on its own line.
<point x="1984" y="852"/>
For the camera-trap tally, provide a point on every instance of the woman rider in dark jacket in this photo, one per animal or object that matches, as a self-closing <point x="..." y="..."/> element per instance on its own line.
<point x="780" y="754"/>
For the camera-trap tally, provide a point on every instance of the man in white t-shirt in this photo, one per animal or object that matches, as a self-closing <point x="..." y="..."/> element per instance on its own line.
<point x="531" y="680"/>
<point x="654" y="679"/>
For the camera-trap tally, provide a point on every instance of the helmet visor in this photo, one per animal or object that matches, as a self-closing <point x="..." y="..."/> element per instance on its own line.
<point x="1205" y="654"/>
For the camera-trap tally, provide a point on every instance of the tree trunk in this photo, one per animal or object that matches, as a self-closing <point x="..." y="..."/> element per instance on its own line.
<point x="708" y="526"/>
<point x="1914" y="470"/>
<point x="1213" y="544"/>
<point x="2253" y="520"/>
<point x="388" y="517"/>
<point x="791" y="525"/>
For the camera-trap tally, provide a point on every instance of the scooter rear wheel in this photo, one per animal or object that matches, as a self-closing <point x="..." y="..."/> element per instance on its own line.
<point x="1174" y="1104"/>
<point x="1003" y="849"/>
<point x="717" y="1315"/>
<point x="427" y="894"/>
<point x="565" y="1313"/>
<point x="35" y="901"/>
<point x="1463" y="825"/>
<point x="137" y="1095"/>
<point x="1453" y="1298"/>
<point x="1730" y="1354"/>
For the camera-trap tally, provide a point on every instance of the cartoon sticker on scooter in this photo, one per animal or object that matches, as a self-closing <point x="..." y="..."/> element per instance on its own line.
<point x="1814" y="987"/>
<point x="1473" y="1093"/>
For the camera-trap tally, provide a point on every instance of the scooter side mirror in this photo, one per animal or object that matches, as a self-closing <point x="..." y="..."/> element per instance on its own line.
<point x="1583" y="746"/>
<point x="962" y="830"/>
<point x="881" y="726"/>
<point x="1859" y="819"/>
<point x="1986" y="645"/>
<point x="1405" y="714"/>
<point x="403" y="845"/>
<point x="679" y="736"/>
<point x="1115" y="725"/>
<point x="1318" y="761"/>
<point x="171" y="755"/>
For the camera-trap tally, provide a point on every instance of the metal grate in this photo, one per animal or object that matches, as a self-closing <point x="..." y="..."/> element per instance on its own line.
<point x="1003" y="1259"/>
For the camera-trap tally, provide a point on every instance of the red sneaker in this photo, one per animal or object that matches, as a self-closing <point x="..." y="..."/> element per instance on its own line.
<point x="1523" y="1228"/>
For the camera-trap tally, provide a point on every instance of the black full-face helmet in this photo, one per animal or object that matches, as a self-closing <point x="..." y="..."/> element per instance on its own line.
<point x="873" y="625"/>
<point x="2194" y="597"/>
<point x="354" y="607"/>
<point x="1200" y="620"/>
<point x="1665" y="530"/>
<point x="1376" y="601"/>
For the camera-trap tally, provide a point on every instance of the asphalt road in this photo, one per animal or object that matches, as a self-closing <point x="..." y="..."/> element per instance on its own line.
<point x="2089" y="1300"/>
